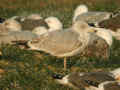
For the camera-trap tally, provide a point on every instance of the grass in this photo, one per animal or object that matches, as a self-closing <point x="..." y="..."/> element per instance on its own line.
<point x="30" y="70"/>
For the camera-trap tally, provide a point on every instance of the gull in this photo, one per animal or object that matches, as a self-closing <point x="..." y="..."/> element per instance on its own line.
<point x="29" y="22"/>
<point x="16" y="38"/>
<point x="53" y="23"/>
<point x="113" y="24"/>
<point x="9" y="25"/>
<point x="88" y="80"/>
<point x="64" y="43"/>
<point x="105" y="34"/>
<point x="13" y="36"/>
<point x="109" y="85"/>
<point x="91" y="17"/>
<point x="12" y="25"/>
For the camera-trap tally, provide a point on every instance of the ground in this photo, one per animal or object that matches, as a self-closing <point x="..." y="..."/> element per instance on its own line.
<point x="32" y="70"/>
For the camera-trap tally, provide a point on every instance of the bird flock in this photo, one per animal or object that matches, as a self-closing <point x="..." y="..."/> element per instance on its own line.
<point x="91" y="34"/>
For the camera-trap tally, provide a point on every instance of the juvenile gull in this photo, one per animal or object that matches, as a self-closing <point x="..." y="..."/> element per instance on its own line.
<point x="109" y="85"/>
<point x="91" y="17"/>
<point x="113" y="24"/>
<point x="97" y="48"/>
<point x="86" y="80"/>
<point x="64" y="43"/>
<point x="12" y="25"/>
<point x="9" y="25"/>
<point x="13" y="36"/>
<point x="105" y="34"/>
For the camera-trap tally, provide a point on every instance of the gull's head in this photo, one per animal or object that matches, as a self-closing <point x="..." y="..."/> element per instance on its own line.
<point x="54" y="23"/>
<point x="39" y="30"/>
<point x="81" y="26"/>
<point x="34" y="17"/>
<point x="80" y="10"/>
<point x="12" y="25"/>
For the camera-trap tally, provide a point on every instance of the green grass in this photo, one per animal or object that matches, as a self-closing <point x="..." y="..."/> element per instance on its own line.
<point x="30" y="70"/>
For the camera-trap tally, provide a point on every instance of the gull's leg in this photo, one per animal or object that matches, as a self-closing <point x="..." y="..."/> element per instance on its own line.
<point x="65" y="63"/>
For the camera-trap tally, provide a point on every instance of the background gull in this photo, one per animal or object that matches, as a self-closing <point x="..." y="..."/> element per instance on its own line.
<point x="97" y="48"/>
<point x="14" y="36"/>
<point x="53" y="24"/>
<point x="91" y="17"/>
<point x="9" y="25"/>
<point x="30" y="22"/>
<point x="12" y="25"/>
<point x="113" y="24"/>
<point x="109" y="85"/>
<point x="86" y="80"/>
<point x="105" y="34"/>
<point x="63" y="43"/>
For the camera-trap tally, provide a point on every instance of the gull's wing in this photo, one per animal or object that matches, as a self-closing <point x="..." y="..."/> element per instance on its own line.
<point x="59" y="42"/>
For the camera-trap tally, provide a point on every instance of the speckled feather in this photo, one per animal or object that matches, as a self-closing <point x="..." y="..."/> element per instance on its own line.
<point x="110" y="85"/>
<point x="89" y="79"/>
<point x="30" y="24"/>
<point x="112" y="23"/>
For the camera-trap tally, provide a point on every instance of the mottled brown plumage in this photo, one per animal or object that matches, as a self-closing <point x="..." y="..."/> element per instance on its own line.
<point x="84" y="80"/>
<point x="98" y="48"/>
<point x="89" y="79"/>
<point x="109" y="85"/>
<point x="111" y="23"/>
<point x="30" y="24"/>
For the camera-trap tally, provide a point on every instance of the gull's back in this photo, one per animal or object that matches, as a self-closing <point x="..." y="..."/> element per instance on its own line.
<point x="93" y="17"/>
<point x="59" y="43"/>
